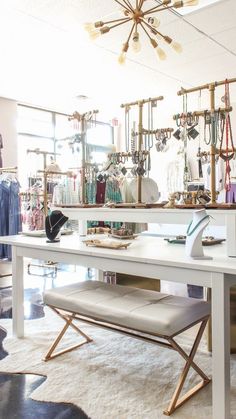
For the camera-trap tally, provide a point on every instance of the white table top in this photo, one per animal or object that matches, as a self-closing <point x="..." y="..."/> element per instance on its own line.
<point x="150" y="250"/>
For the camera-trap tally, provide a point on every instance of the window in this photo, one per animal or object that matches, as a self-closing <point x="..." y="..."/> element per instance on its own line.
<point x="52" y="132"/>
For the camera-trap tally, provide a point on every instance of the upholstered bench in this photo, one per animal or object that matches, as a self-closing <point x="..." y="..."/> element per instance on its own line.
<point x="145" y="314"/>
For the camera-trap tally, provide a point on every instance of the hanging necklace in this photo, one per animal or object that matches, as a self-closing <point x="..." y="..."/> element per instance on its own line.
<point x="189" y="233"/>
<point x="52" y="226"/>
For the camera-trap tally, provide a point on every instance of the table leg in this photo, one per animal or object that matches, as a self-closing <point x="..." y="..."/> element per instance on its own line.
<point x="99" y="275"/>
<point x="220" y="346"/>
<point x="17" y="294"/>
<point x="82" y="227"/>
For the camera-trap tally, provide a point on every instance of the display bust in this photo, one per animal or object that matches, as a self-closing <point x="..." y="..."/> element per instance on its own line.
<point x="193" y="245"/>
<point x="53" y="224"/>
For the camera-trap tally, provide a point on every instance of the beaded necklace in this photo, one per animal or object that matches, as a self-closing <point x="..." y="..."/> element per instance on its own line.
<point x="189" y="233"/>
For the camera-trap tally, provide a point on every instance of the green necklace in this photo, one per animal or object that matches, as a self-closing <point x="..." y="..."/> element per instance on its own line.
<point x="189" y="233"/>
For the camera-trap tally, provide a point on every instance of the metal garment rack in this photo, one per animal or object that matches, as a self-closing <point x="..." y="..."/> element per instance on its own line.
<point x="8" y="169"/>
<point x="213" y="150"/>
<point x="13" y="170"/>
<point x="44" y="154"/>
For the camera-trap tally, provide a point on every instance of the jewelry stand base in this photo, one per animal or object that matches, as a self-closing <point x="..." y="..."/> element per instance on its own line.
<point x="53" y="241"/>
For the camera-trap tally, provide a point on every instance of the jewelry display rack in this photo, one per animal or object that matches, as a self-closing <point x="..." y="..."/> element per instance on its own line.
<point x="45" y="174"/>
<point x="140" y="133"/>
<point x="83" y="119"/>
<point x="211" y="87"/>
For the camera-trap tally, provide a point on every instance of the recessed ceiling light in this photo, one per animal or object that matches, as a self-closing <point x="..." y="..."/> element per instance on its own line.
<point x="201" y="5"/>
<point x="81" y="97"/>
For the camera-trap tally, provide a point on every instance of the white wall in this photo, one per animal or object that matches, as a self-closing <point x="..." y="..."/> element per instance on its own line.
<point x="8" y="130"/>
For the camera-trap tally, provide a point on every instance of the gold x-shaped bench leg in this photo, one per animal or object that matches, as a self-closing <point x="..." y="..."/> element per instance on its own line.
<point x="176" y="401"/>
<point x="69" y="322"/>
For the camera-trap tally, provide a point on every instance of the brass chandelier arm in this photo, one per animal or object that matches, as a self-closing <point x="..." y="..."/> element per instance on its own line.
<point x="140" y="4"/>
<point x="156" y="9"/>
<point x="121" y="23"/>
<point x="123" y="5"/>
<point x="145" y="30"/>
<point x="116" y="20"/>
<point x="127" y="2"/>
<point x="128" y="39"/>
<point x="154" y="30"/>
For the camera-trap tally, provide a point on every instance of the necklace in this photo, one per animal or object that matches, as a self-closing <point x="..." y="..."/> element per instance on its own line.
<point x="52" y="226"/>
<point x="189" y="233"/>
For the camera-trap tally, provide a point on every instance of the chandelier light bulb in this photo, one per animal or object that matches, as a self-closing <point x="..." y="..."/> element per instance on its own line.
<point x="154" y="22"/>
<point x="190" y="2"/>
<point x="136" y="45"/>
<point x="161" y="53"/>
<point x="122" y="58"/>
<point x="125" y="12"/>
<point x="89" y="26"/>
<point x="94" y="34"/>
<point x="182" y="3"/>
<point x="177" y="47"/>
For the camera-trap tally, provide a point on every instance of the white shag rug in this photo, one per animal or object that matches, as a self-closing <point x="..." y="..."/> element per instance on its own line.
<point x="114" y="377"/>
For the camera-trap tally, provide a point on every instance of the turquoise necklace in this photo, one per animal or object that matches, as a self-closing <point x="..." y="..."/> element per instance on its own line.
<point x="189" y="233"/>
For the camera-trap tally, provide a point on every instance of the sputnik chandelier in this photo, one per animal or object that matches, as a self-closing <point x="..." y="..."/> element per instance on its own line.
<point x="139" y="18"/>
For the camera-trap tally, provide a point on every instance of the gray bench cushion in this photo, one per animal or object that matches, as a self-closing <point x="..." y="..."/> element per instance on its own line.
<point x="143" y="310"/>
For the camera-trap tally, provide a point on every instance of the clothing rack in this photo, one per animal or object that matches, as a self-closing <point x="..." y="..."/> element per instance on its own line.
<point x="44" y="154"/>
<point x="8" y="169"/>
<point x="10" y="213"/>
<point x="211" y="87"/>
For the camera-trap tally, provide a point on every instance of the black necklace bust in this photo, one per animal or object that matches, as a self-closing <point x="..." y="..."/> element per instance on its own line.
<point x="53" y="224"/>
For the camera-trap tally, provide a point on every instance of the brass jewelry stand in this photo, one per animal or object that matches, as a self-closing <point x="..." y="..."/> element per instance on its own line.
<point x="141" y="132"/>
<point x="213" y="151"/>
<point x="83" y="119"/>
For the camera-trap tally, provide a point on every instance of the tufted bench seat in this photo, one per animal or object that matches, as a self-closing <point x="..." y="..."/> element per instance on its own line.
<point x="145" y="314"/>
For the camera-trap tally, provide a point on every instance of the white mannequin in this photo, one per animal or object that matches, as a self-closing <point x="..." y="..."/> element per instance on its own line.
<point x="193" y="246"/>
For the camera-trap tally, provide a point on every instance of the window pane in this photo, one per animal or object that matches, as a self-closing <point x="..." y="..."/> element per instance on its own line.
<point x="64" y="128"/>
<point x="30" y="163"/>
<point x="100" y="135"/>
<point x="35" y="122"/>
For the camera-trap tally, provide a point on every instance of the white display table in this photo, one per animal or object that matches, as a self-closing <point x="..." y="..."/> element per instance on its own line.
<point x="220" y="217"/>
<point x="155" y="258"/>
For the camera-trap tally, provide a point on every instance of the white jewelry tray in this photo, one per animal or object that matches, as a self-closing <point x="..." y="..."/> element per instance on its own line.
<point x="42" y="233"/>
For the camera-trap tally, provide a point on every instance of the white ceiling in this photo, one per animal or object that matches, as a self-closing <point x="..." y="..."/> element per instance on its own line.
<point x="47" y="59"/>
